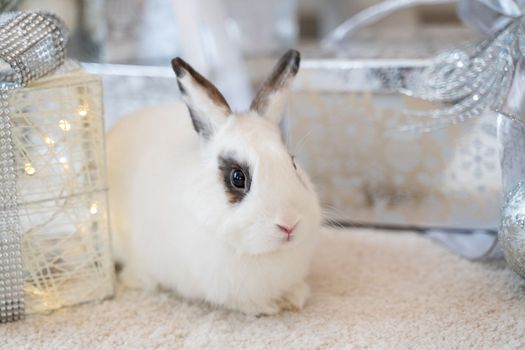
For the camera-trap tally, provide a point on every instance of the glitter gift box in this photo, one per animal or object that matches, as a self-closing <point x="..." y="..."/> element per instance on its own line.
<point x="54" y="235"/>
<point x="346" y="122"/>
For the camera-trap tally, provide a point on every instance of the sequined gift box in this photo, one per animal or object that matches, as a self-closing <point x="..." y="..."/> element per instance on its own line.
<point x="58" y="134"/>
<point x="346" y="124"/>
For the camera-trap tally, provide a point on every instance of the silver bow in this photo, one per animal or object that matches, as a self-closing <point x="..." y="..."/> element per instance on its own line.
<point x="32" y="45"/>
<point x="467" y="81"/>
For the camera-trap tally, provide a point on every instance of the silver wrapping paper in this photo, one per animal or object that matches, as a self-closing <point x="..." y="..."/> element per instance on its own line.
<point x="128" y="88"/>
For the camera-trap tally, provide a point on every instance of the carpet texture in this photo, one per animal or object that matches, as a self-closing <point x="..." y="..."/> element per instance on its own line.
<point x="370" y="290"/>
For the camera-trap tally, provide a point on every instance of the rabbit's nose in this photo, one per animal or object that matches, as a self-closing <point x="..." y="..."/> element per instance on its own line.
<point x="287" y="229"/>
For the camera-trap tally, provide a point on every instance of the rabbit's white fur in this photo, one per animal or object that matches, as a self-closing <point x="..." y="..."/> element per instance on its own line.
<point x="174" y="225"/>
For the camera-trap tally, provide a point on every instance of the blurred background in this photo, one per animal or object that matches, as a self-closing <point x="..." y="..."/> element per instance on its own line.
<point x="116" y="30"/>
<point x="233" y="42"/>
<point x="346" y="95"/>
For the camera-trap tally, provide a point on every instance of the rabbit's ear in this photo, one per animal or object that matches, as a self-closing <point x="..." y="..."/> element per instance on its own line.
<point x="271" y="98"/>
<point x="208" y="108"/>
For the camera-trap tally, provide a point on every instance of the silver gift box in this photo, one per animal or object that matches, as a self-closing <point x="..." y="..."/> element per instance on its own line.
<point x="345" y="127"/>
<point x="128" y="88"/>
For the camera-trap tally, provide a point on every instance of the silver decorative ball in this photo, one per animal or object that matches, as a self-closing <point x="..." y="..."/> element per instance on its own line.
<point x="512" y="229"/>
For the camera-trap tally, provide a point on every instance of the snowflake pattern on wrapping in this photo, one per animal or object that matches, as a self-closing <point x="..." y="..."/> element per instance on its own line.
<point x="365" y="173"/>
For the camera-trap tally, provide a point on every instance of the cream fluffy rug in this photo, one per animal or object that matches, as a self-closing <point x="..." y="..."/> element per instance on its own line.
<point x="370" y="290"/>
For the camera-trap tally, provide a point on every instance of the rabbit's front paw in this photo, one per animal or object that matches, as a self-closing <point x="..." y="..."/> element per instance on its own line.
<point x="266" y="309"/>
<point x="295" y="297"/>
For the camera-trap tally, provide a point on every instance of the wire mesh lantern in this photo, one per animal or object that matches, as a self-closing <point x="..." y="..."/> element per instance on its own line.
<point x="58" y="133"/>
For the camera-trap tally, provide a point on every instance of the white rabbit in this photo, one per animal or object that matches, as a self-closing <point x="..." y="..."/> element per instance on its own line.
<point x="218" y="212"/>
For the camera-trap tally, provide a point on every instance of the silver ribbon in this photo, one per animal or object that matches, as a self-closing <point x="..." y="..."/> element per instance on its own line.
<point x="369" y="16"/>
<point x="32" y="45"/>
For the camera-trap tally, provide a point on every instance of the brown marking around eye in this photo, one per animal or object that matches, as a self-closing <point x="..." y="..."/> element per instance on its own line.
<point x="226" y="165"/>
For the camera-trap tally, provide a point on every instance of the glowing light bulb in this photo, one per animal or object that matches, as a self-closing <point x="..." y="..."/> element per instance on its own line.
<point x="93" y="209"/>
<point x="83" y="110"/>
<point x="63" y="161"/>
<point x="64" y="125"/>
<point x="29" y="170"/>
<point x="49" y="141"/>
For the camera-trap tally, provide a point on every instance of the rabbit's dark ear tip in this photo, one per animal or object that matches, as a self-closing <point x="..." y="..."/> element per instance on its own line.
<point x="293" y="54"/>
<point x="178" y="65"/>
<point x="293" y="57"/>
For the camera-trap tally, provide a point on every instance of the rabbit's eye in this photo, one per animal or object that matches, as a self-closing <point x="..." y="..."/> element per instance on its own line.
<point x="238" y="179"/>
